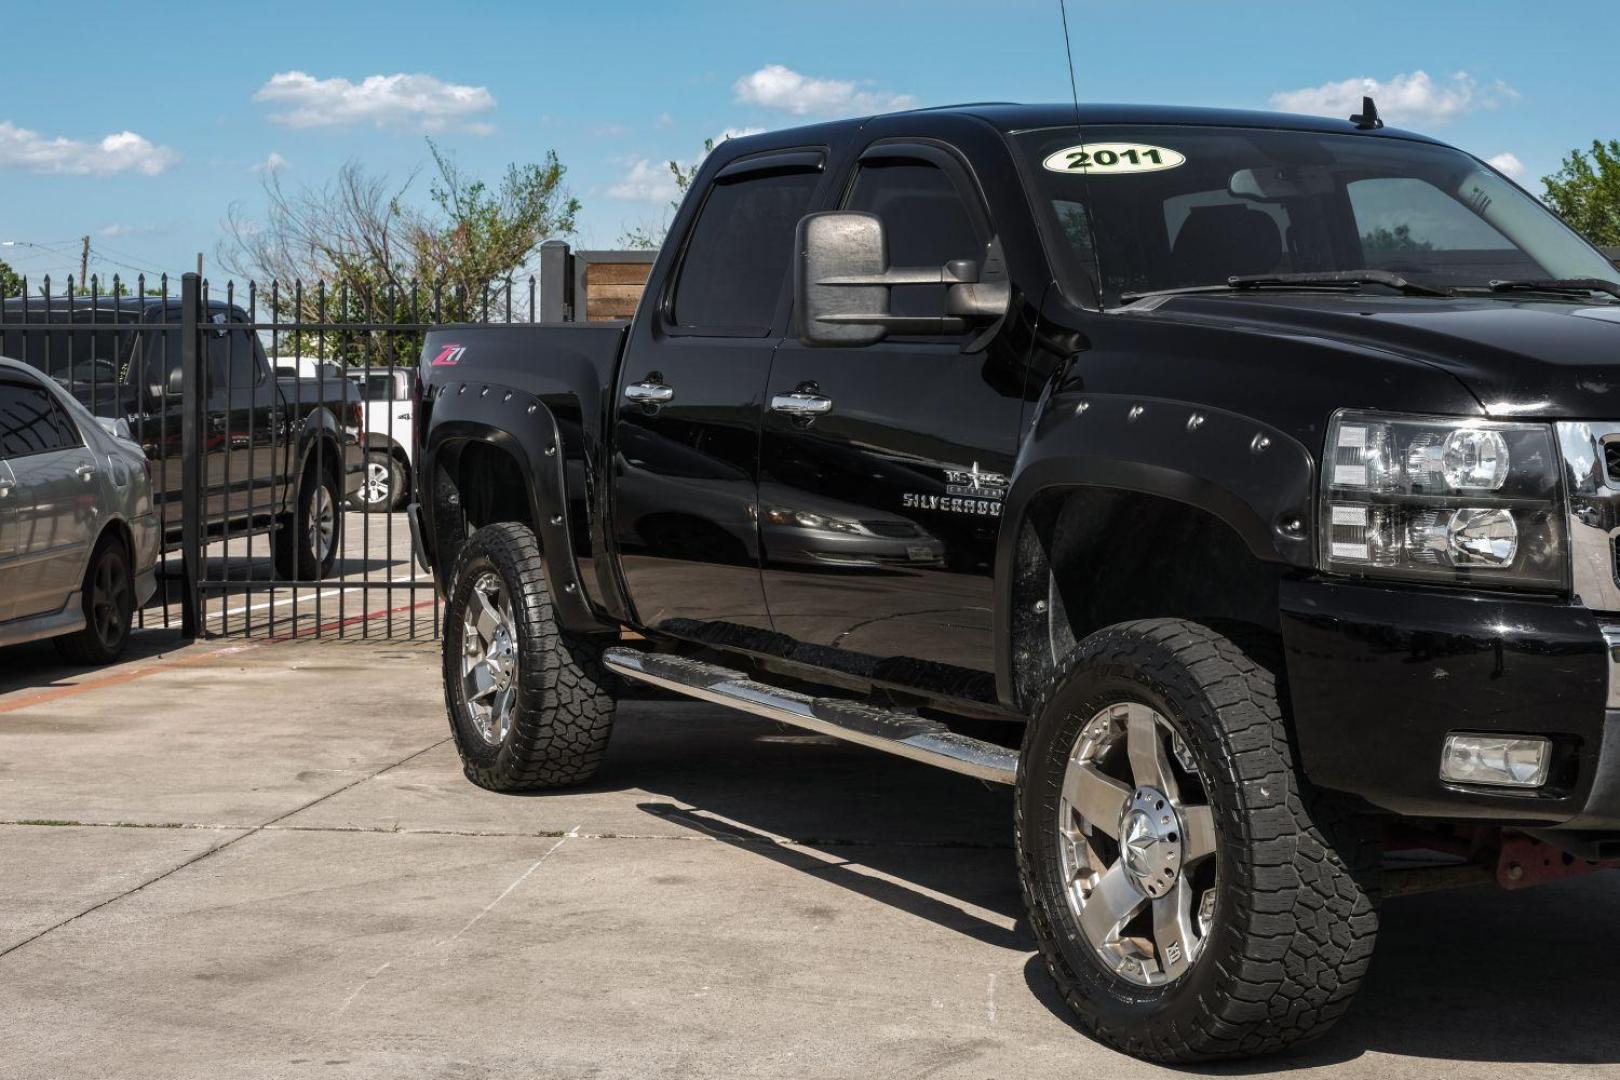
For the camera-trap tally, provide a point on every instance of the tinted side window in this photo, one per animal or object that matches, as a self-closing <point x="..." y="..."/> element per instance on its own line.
<point x="742" y="245"/>
<point x="926" y="222"/>
<point x="31" y="422"/>
<point x="232" y="361"/>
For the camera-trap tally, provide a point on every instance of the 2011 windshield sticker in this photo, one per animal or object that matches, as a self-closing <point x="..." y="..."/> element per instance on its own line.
<point x="1103" y="159"/>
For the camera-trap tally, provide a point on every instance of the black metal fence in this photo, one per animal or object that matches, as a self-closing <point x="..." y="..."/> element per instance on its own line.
<point x="278" y="426"/>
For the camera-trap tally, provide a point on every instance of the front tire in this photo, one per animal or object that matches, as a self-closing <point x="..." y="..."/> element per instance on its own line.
<point x="109" y="606"/>
<point x="1193" y="897"/>
<point x="529" y="703"/>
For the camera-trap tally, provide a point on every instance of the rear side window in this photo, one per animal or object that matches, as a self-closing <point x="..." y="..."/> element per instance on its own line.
<point x="741" y="247"/>
<point x="31" y="421"/>
<point x="232" y="362"/>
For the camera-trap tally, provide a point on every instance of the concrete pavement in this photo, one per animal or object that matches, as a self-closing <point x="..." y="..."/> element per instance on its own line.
<point x="265" y="862"/>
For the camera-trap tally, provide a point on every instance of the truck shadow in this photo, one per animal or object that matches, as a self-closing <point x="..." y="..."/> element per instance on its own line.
<point x="1468" y="975"/>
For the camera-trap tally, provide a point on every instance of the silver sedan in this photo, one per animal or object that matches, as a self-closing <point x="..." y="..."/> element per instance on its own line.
<point x="79" y="538"/>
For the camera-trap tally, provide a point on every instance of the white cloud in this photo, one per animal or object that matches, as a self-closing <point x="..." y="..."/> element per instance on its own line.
<point x="610" y="131"/>
<point x="646" y="181"/>
<point x="778" y="87"/>
<point x="416" y="102"/>
<point x="1508" y="164"/>
<point x="664" y="119"/>
<point x="1407" y="99"/>
<point x="123" y="152"/>
<point x="655" y="183"/>
<point x="272" y="164"/>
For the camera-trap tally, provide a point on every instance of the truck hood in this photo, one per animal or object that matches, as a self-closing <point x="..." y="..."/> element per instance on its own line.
<point x="1533" y="358"/>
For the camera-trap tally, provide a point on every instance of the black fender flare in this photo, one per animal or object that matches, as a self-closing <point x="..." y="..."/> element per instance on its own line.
<point x="1258" y="480"/>
<point x="493" y="417"/>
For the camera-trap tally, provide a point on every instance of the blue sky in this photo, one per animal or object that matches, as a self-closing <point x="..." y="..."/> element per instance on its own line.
<point x="142" y="125"/>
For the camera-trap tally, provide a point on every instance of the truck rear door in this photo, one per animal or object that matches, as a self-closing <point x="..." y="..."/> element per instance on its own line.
<point x="691" y="396"/>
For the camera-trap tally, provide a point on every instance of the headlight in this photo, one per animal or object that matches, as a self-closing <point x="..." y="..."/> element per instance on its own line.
<point x="810" y="520"/>
<point x="1434" y="498"/>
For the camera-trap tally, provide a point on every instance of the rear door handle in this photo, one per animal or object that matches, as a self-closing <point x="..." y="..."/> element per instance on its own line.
<point x="649" y="393"/>
<point x="801" y="404"/>
<point x="85" y="472"/>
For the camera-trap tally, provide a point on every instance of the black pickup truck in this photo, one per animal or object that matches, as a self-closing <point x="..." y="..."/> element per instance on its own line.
<point x="1242" y="488"/>
<point x="280" y="453"/>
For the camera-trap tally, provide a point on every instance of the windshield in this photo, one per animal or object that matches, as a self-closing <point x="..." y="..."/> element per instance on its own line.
<point x="1173" y="207"/>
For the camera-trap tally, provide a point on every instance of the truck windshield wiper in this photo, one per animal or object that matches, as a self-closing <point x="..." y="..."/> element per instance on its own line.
<point x="1329" y="279"/>
<point x="1559" y="285"/>
<point x="1337" y="279"/>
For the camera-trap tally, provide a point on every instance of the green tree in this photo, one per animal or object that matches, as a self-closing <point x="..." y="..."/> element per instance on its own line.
<point x="10" y="280"/>
<point x="357" y="250"/>
<point x="1397" y="239"/>
<point x="1585" y="192"/>
<point x="650" y="236"/>
<point x="481" y="236"/>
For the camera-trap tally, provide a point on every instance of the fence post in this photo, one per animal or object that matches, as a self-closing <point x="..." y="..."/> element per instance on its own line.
<point x="556" y="282"/>
<point x="191" y="460"/>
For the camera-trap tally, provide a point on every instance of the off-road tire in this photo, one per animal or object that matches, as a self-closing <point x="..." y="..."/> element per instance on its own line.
<point x="295" y="557"/>
<point x="564" y="708"/>
<point x="102" y="640"/>
<point x="1295" y="912"/>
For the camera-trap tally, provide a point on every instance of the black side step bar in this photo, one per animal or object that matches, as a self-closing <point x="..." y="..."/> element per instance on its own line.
<point x="914" y="737"/>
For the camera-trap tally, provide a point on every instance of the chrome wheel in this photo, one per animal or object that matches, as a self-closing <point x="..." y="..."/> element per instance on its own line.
<point x="489" y="661"/>
<point x="322" y="523"/>
<point x="376" y="490"/>
<point x="1135" y="840"/>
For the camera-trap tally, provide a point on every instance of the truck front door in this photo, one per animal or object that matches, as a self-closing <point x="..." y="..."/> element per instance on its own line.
<point x="879" y="515"/>
<point x="690" y="398"/>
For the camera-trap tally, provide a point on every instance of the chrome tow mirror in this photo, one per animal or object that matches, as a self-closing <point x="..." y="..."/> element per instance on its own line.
<point x="842" y="281"/>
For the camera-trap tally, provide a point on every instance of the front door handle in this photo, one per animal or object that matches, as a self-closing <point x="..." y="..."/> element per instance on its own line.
<point x="799" y="403"/>
<point x="648" y="393"/>
<point x="5" y="487"/>
<point x="85" y="472"/>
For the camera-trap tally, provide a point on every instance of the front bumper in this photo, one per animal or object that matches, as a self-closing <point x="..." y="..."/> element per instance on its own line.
<point x="1377" y="678"/>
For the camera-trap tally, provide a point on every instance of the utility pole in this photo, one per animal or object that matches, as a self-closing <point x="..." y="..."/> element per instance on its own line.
<point x="84" y="264"/>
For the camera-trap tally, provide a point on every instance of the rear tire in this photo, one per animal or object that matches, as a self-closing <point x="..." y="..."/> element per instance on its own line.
<point x="307" y="542"/>
<point x="529" y="704"/>
<point x="109" y="605"/>
<point x="386" y="486"/>
<point x="1276" y="926"/>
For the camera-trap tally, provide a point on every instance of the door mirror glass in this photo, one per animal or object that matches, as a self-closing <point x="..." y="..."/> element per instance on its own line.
<point x="835" y="250"/>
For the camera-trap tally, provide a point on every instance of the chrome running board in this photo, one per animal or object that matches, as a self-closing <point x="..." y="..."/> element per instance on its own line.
<point x="914" y="737"/>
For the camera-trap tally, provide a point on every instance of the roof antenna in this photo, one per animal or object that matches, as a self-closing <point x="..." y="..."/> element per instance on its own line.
<point x="1085" y="176"/>
<point x="1367" y="118"/>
